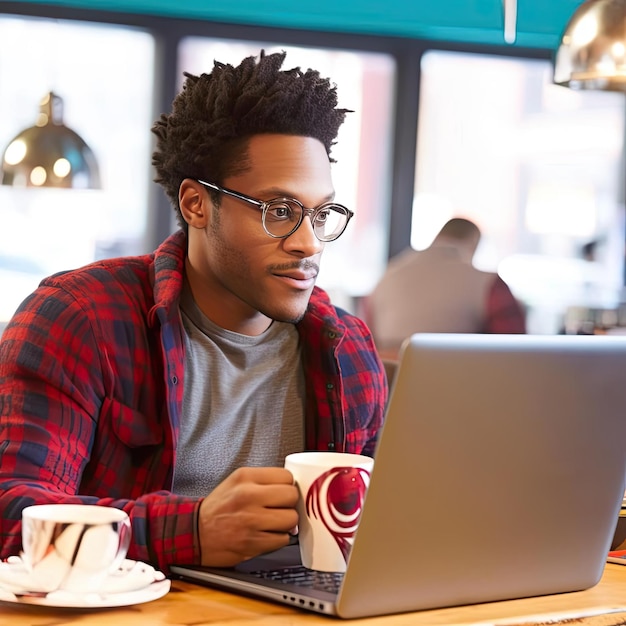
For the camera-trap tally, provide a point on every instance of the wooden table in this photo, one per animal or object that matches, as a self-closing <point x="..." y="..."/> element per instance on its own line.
<point x="193" y="605"/>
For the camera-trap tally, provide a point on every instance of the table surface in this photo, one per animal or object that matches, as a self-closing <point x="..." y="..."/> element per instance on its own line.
<point x="188" y="604"/>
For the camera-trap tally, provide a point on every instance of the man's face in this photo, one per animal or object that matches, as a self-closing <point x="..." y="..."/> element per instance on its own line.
<point x="240" y="276"/>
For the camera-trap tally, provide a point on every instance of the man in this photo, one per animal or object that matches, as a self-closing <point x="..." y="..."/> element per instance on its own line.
<point x="172" y="385"/>
<point x="438" y="290"/>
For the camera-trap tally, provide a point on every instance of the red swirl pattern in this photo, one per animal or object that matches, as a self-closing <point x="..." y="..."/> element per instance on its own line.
<point x="336" y="499"/>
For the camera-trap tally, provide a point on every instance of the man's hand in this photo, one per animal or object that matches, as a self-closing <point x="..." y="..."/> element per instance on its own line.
<point x="249" y="513"/>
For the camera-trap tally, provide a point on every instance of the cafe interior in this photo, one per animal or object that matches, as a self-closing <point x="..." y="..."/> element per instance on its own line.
<point x="456" y="113"/>
<point x="508" y="112"/>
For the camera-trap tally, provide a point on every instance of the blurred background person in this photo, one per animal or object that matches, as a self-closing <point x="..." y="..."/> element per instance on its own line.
<point x="439" y="290"/>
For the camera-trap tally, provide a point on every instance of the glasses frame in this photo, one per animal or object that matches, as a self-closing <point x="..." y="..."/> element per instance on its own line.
<point x="263" y="206"/>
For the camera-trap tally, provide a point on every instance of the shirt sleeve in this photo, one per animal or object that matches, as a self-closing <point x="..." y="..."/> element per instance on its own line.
<point x="52" y="388"/>
<point x="505" y="314"/>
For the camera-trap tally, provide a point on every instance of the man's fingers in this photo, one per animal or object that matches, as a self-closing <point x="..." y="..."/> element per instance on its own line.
<point x="263" y="475"/>
<point x="250" y="512"/>
<point x="280" y="496"/>
<point x="277" y="520"/>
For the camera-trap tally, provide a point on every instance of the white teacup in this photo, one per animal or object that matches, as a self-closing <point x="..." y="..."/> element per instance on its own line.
<point x="332" y="488"/>
<point x="73" y="547"/>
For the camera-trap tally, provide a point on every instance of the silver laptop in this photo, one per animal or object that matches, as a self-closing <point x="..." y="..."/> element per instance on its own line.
<point x="499" y="474"/>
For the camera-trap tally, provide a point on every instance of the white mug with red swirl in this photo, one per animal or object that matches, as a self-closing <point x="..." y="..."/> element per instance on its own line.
<point x="332" y="488"/>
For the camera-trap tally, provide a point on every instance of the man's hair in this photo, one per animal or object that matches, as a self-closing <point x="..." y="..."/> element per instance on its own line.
<point x="206" y="134"/>
<point x="460" y="228"/>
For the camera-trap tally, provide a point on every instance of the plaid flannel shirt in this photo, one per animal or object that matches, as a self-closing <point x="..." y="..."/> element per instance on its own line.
<point x="91" y="391"/>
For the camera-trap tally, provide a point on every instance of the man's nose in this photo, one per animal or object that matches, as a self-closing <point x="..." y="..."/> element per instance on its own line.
<point x="304" y="240"/>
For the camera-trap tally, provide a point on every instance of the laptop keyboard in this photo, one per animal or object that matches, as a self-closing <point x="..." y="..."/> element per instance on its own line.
<point x="303" y="577"/>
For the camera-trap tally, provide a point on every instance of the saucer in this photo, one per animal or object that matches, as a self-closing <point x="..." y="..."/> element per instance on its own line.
<point x="134" y="582"/>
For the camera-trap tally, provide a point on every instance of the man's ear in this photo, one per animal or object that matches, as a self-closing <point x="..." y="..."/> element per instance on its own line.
<point x="194" y="202"/>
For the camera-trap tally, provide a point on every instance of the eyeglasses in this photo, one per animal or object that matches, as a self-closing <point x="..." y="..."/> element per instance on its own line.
<point x="283" y="216"/>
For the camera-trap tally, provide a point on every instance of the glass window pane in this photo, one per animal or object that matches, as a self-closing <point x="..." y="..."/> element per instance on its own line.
<point x="361" y="175"/>
<point x="536" y="165"/>
<point x="104" y="75"/>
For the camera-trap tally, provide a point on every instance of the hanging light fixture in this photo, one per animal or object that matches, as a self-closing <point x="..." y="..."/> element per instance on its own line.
<point x="592" y="52"/>
<point x="49" y="154"/>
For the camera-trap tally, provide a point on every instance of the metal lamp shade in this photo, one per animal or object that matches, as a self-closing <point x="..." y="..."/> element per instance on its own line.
<point x="50" y="154"/>
<point x="592" y="53"/>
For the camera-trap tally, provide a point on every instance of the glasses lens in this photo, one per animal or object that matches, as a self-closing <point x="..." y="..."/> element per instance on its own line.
<point x="281" y="217"/>
<point x="329" y="222"/>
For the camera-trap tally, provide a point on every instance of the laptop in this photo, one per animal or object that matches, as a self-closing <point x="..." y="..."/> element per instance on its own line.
<point x="499" y="474"/>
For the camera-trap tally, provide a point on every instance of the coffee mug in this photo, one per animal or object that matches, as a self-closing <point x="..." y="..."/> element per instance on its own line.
<point x="332" y="487"/>
<point x="73" y="547"/>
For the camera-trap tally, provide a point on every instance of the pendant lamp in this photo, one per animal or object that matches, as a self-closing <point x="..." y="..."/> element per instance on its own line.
<point x="592" y="52"/>
<point x="49" y="154"/>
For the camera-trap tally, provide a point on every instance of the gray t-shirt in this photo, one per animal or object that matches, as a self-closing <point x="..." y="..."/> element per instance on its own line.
<point x="243" y="400"/>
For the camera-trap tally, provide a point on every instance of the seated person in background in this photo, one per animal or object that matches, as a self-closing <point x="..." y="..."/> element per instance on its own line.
<point x="172" y="385"/>
<point x="438" y="290"/>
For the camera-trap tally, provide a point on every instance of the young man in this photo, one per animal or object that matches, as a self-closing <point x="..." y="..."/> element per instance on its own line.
<point x="172" y="385"/>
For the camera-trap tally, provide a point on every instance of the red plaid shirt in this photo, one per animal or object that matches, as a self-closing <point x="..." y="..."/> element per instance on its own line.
<point x="91" y="391"/>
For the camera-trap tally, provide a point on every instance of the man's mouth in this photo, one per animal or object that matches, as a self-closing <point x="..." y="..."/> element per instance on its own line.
<point x="298" y="280"/>
<point x="299" y="277"/>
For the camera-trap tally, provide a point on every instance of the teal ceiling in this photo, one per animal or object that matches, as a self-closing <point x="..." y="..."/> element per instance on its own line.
<point x="539" y="22"/>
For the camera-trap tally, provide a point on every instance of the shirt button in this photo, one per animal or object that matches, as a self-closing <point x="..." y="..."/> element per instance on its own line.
<point x="174" y="380"/>
<point x="330" y="386"/>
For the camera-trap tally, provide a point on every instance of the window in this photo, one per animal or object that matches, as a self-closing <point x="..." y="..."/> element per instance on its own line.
<point x="104" y="75"/>
<point x="537" y="166"/>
